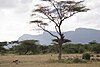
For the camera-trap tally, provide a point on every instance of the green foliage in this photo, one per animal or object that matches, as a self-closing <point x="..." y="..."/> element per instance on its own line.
<point x="3" y="43"/>
<point x="33" y="47"/>
<point x="73" y="48"/>
<point x="96" y="48"/>
<point x="86" y="56"/>
<point x="51" y="49"/>
<point x="64" y="41"/>
<point x="81" y="50"/>
<point x="2" y="49"/>
<point x="27" y="47"/>
<point x="43" y="49"/>
<point x="93" y="42"/>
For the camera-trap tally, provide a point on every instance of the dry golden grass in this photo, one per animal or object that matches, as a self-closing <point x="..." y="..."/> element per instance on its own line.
<point x="40" y="61"/>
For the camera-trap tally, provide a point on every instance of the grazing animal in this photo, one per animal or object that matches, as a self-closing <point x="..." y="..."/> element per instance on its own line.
<point x="16" y="61"/>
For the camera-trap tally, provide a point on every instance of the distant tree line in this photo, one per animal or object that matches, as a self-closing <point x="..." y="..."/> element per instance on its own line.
<point x="31" y="47"/>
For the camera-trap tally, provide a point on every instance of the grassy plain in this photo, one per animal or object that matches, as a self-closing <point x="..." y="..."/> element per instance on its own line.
<point x="41" y="61"/>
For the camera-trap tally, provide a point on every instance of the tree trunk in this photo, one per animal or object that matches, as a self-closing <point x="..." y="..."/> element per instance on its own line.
<point x="60" y="42"/>
<point x="60" y="51"/>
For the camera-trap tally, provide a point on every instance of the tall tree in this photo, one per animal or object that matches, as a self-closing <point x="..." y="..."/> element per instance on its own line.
<point x="56" y="11"/>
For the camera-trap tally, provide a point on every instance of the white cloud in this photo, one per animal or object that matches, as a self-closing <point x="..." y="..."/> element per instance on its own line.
<point x="26" y="1"/>
<point x="8" y="3"/>
<point x="15" y="18"/>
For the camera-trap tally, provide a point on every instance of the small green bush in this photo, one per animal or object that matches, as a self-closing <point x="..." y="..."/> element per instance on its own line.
<point x="86" y="56"/>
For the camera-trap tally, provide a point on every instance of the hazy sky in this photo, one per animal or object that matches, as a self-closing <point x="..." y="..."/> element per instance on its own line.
<point x="15" y="16"/>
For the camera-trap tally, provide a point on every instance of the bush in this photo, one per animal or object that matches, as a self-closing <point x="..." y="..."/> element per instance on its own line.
<point x="77" y="60"/>
<point x="86" y="56"/>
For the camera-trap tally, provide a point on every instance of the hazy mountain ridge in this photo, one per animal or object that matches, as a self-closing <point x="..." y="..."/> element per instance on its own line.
<point x="80" y="35"/>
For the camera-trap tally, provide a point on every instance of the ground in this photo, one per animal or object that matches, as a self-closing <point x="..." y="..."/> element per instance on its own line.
<point x="41" y="61"/>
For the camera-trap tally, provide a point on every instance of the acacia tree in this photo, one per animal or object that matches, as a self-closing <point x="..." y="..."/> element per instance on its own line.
<point x="27" y="46"/>
<point x="56" y="11"/>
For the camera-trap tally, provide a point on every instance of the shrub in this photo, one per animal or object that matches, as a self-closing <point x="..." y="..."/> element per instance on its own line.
<point x="77" y="60"/>
<point x="86" y="56"/>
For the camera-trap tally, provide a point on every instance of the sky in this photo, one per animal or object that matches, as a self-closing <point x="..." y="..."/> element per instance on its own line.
<point x="15" y="17"/>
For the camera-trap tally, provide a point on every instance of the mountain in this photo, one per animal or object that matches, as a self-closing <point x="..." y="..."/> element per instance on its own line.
<point x="83" y="35"/>
<point x="44" y="38"/>
<point x="80" y="35"/>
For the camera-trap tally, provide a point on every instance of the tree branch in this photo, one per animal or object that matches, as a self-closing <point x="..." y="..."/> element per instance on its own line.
<point x="48" y="31"/>
<point x="50" y="17"/>
<point x="69" y="16"/>
<point x="56" y="29"/>
<point x="56" y="9"/>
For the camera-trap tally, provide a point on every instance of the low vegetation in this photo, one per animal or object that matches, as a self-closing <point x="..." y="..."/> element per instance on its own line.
<point x="86" y="56"/>
<point x="45" y="60"/>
